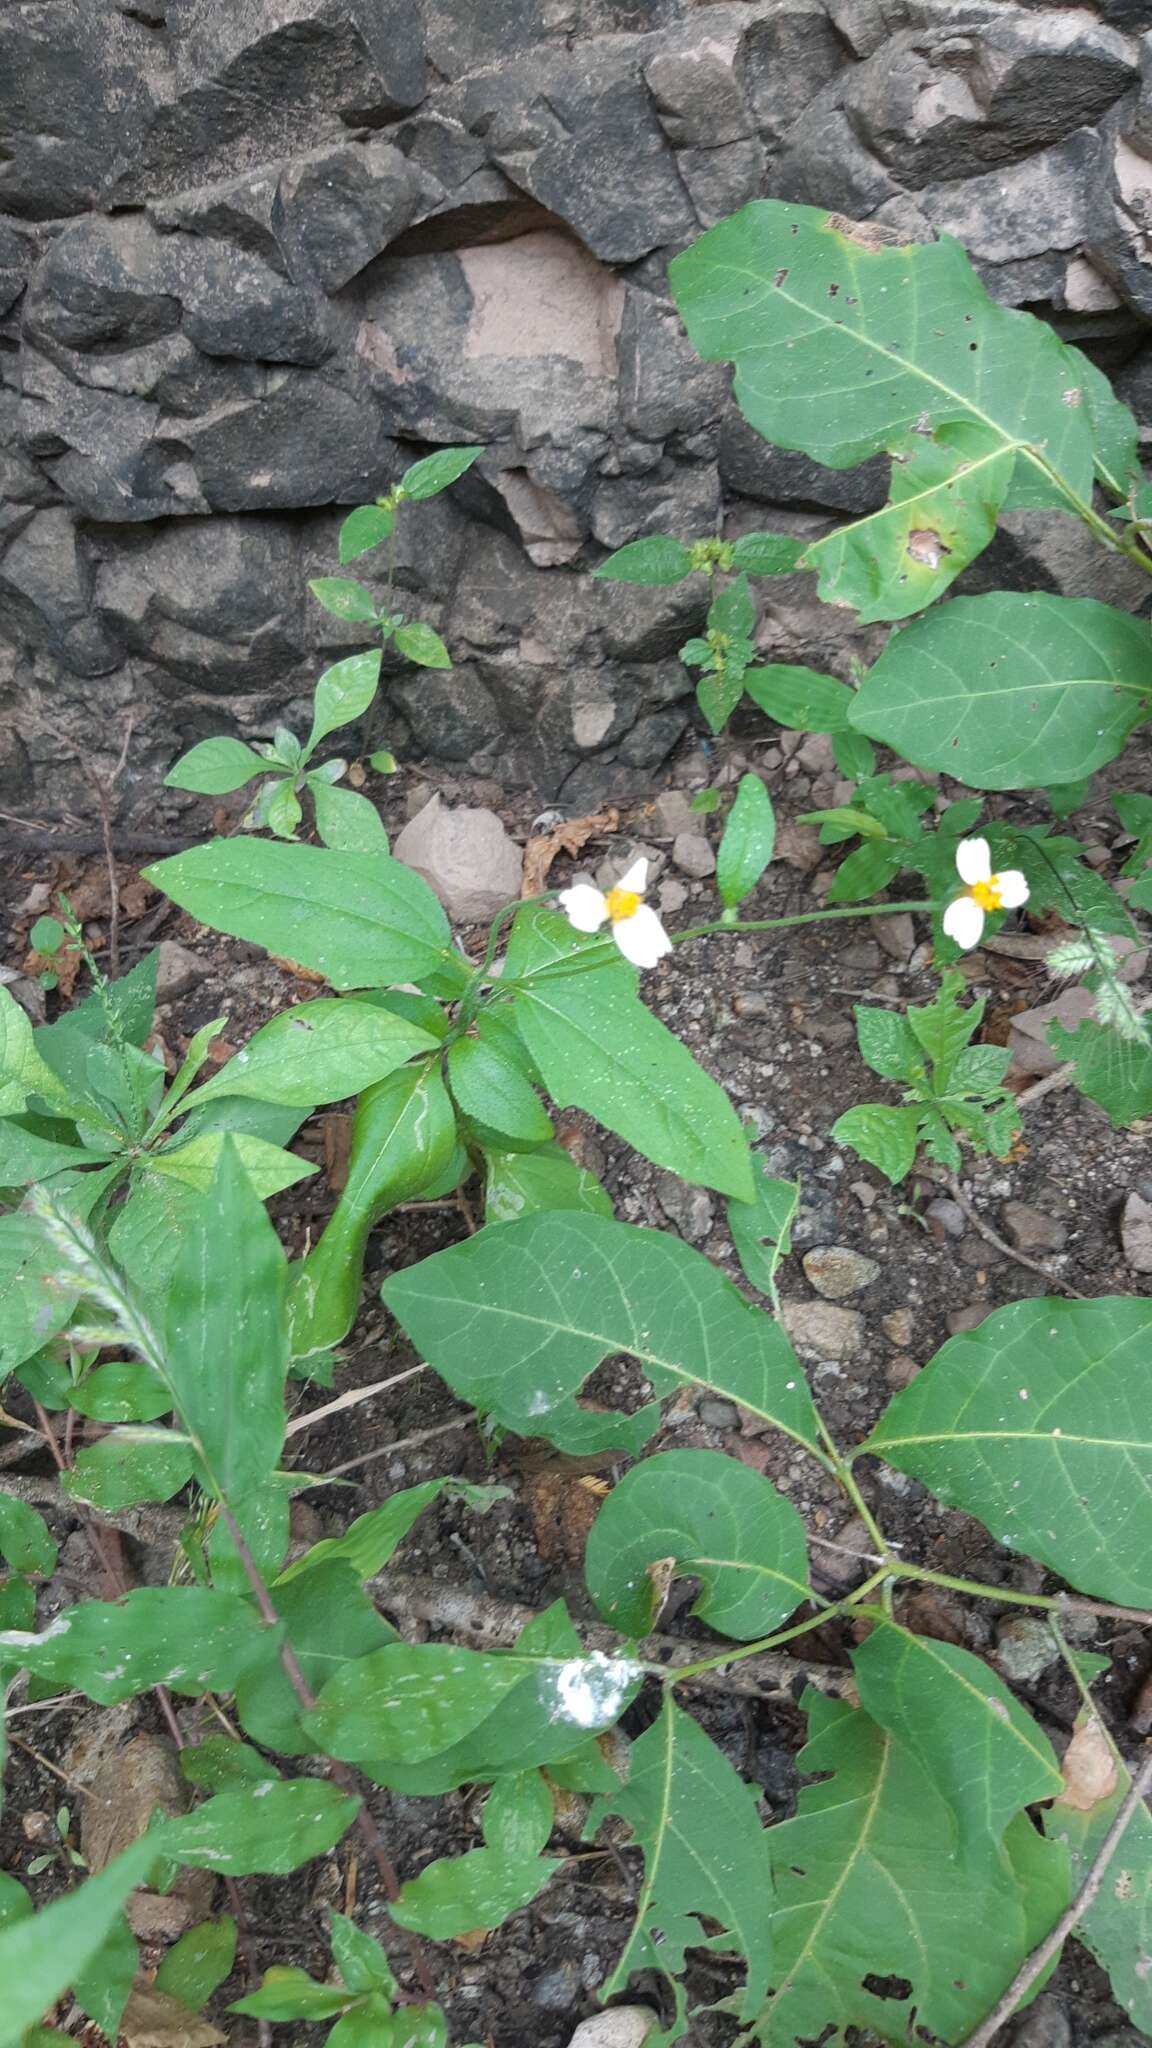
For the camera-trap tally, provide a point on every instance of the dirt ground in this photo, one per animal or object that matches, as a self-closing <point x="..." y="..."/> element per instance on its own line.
<point x="770" y="1016"/>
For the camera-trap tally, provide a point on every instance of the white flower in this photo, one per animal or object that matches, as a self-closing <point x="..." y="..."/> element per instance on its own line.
<point x="964" y="919"/>
<point x="636" y="929"/>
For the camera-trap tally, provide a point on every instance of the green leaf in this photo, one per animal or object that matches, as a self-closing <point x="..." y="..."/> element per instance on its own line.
<point x="25" y="1541"/>
<point x="519" y="1814"/>
<point x="41" y="1954"/>
<point x="347" y="821"/>
<point x="705" y="1854"/>
<point x="27" y="1156"/>
<point x="1117" y="1925"/>
<point x="599" y="1049"/>
<point x="719" y="692"/>
<point x="130" y="1465"/>
<point x="221" y="1764"/>
<point x="417" y="642"/>
<point x="279" y="809"/>
<point x="345" y="597"/>
<point x="519" y="1183"/>
<point x="215" y="767"/>
<point x="365" y="528"/>
<point x="402" y="1138"/>
<point x="748" y="843"/>
<point x="715" y="1520"/>
<point x="427" y="478"/>
<point x="47" y="935"/>
<point x="1036" y="1424"/>
<point x="344" y="693"/>
<point x="383" y="762"/>
<point x="495" y="1094"/>
<point x="370" y="1541"/>
<point x="517" y="1318"/>
<point x="844" y="345"/>
<point x="184" y="1637"/>
<point x="801" y="698"/>
<point x="657" y="560"/>
<point x="886" y="1138"/>
<point x="1116" y="1072"/>
<point x="193" y="1165"/>
<point x="854" y="755"/>
<point x="886" y="1042"/>
<point x="33" y="1307"/>
<point x="372" y="2025"/>
<point x="767" y="554"/>
<point x="329" y="1622"/>
<point x="287" y="1993"/>
<point x="318" y="1052"/>
<point x="22" y="1069"/>
<point x="268" y="1829"/>
<point x="761" y="1230"/>
<point x="226" y="1339"/>
<point x="464" y="1894"/>
<point x="362" y="1963"/>
<point x="733" y="610"/>
<point x="199" y="1962"/>
<point x="870" y="1888"/>
<point x="349" y="916"/>
<point x="946" y="491"/>
<point x="980" y="1747"/>
<point x="866" y="871"/>
<point x="1010" y="691"/>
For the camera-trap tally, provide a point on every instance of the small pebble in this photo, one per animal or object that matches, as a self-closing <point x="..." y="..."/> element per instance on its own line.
<point x="820" y="1327"/>
<point x="899" y="1327"/>
<point x="1025" y="1647"/>
<point x="948" y="1215"/>
<point x="718" y="1414"/>
<point x="901" y="1370"/>
<point x="1136" y="1233"/>
<point x="969" y="1318"/>
<point x="693" y="855"/>
<point x="1031" y="1230"/>
<point x="834" y="1270"/>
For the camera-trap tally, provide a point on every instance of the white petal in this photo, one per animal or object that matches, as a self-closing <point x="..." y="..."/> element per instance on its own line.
<point x="964" y="922"/>
<point x="584" y="907"/>
<point x="974" y="861"/>
<point x="636" y="879"/>
<point x="642" y="938"/>
<point x="1013" y="888"/>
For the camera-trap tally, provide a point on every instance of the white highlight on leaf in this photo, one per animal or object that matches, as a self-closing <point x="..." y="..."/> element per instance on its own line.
<point x="591" y="1690"/>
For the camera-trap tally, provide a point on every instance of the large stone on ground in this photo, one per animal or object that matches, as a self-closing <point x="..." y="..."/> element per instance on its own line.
<point x="466" y="856"/>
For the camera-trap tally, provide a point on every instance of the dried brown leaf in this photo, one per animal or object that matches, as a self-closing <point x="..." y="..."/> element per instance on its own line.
<point x="571" y="838"/>
<point x="1089" y="1769"/>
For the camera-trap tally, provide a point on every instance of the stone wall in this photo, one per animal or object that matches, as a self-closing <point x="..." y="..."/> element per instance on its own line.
<point x="258" y="255"/>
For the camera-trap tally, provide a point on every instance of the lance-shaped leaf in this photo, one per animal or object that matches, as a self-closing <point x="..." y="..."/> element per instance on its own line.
<point x="318" y="1052"/>
<point x="329" y="1622"/>
<point x="762" y="1230"/>
<point x="270" y="1828"/>
<point x="185" y="1637"/>
<point x="946" y="491"/>
<point x="352" y="917"/>
<point x="705" y="1853"/>
<point x="981" y="1749"/>
<point x="843" y="344"/>
<point x="1038" y="1424"/>
<point x="1008" y="692"/>
<point x="1117" y="1926"/>
<point x="748" y="842"/>
<point x="42" y="1953"/>
<point x="870" y="1888"/>
<point x="516" y="1319"/>
<point x="712" y="1519"/>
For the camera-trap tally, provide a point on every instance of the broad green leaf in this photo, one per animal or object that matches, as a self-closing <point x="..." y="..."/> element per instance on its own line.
<point x="599" y="1049"/>
<point x="268" y="1169"/>
<point x="419" y="643"/>
<point x="226" y="1335"/>
<point x="855" y="756"/>
<point x="801" y="698"/>
<point x="761" y="1230"/>
<point x="1010" y="691"/>
<point x="657" y="560"/>
<point x="349" y="916"/>
<point x="37" y="1298"/>
<point x="402" y="1138"/>
<point x="372" y="2025"/>
<point x="519" y="1814"/>
<point x="767" y="554"/>
<point x="42" y="1953"/>
<point x="870" y="1888"/>
<point x="1037" y="1423"/>
<point x="131" y="1465"/>
<point x="362" y="1963"/>
<point x="518" y="1183"/>
<point x="47" y="935"/>
<point x="713" y="1519"/>
<point x="267" y="1829"/>
<point x="370" y="1541"/>
<point x="412" y="1702"/>
<point x="221" y="1764"/>
<point x="1114" y="429"/>
<point x="427" y="478"/>
<point x="288" y="1993"/>
<point x="463" y="1894"/>
<point x="517" y="1318"/>
<point x="345" y="597"/>
<point x="199" y="1962"/>
<point x="748" y="842"/>
<point x="25" y="1540"/>
<point x="278" y="808"/>
<point x="886" y="1138"/>
<point x="344" y="693"/>
<point x="1116" y="1072"/>
<point x="184" y="1637"/>
<point x="22" y="1068"/>
<point x="103" y="1985"/>
<point x="26" y="1156"/>
<point x="215" y="767"/>
<point x="733" y="610"/>
<point x="943" y="1027"/>
<point x="719" y="692"/>
<point x="318" y="1052"/>
<point x="329" y="1622"/>
<point x="886" y="1042"/>
<point x="946" y="491"/>
<point x="365" y="528"/>
<point x="348" y="822"/>
<point x="705" y="1854"/>
<point x="495" y="1094"/>
<point x="844" y="345"/>
<point x="980" y="1747"/>
<point x="1117" y="1926"/>
<point x="866" y="871"/>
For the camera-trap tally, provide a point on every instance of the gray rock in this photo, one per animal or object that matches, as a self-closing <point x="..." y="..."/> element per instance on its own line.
<point x="672" y="814"/>
<point x="947" y="1215"/>
<point x="1136" y="1233"/>
<point x="451" y="713"/>
<point x="718" y="1414"/>
<point x="896" y="935"/>
<point x="1032" y="1230"/>
<point x="178" y="970"/>
<point x="790" y="53"/>
<point x="835" y="1270"/>
<point x="214" y="603"/>
<point x="689" y="1208"/>
<point x="752" y="465"/>
<point x="822" y="1329"/>
<point x="695" y="79"/>
<point x="75" y="101"/>
<point x="845" y="1565"/>
<point x="665" y="388"/>
<point x="693" y="855"/>
<point x="1028" y="1032"/>
<point x="1025" y="1647"/>
<point x="466" y="856"/>
<point x="720" y="181"/>
<point x="1022" y="210"/>
<point x="970" y="1318"/>
<point x="342" y="207"/>
<point x="1044" y="2025"/>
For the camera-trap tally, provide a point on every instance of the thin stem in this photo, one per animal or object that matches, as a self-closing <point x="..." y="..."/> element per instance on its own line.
<point x="1055" y="1603"/>
<point x="784" y="1635"/>
<point x="841" y="1469"/>
<point x="471" y="998"/>
<point x="779" y="924"/>
<point x="1119" y="543"/>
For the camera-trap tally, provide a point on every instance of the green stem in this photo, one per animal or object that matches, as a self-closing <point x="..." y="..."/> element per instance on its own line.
<point x="784" y="1635"/>
<point x="974" y="1586"/>
<point x="1119" y="543"/>
<point x="776" y="924"/>
<point x="470" y="1001"/>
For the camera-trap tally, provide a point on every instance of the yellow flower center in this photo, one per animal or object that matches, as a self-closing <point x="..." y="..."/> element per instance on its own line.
<point x="987" y="894"/>
<point x="622" y="903"/>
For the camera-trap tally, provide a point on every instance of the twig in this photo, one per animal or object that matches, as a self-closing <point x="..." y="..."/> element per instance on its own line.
<point x="405" y="1443"/>
<point x="351" y="1399"/>
<point x="1052" y="1943"/>
<point x="993" y="1237"/>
